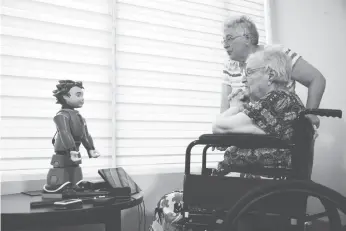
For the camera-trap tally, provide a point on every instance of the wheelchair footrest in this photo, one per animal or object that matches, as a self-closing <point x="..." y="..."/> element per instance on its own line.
<point x="202" y="226"/>
<point x="204" y="218"/>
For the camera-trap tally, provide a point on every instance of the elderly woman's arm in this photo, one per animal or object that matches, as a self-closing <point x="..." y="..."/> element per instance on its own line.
<point x="261" y="117"/>
<point x="236" y="123"/>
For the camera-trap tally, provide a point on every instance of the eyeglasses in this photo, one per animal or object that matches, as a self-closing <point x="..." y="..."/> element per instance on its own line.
<point x="230" y="39"/>
<point x="250" y="71"/>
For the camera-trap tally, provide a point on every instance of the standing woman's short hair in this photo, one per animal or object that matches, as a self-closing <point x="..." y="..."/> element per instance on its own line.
<point x="246" y="24"/>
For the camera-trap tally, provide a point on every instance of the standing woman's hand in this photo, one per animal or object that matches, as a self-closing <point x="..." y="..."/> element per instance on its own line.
<point x="314" y="120"/>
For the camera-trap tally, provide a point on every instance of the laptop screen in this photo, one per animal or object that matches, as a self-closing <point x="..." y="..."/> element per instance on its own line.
<point x="118" y="178"/>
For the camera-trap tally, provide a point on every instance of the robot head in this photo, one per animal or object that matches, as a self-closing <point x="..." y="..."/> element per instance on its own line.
<point x="69" y="93"/>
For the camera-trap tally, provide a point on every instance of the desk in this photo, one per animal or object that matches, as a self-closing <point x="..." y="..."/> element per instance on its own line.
<point x="17" y="214"/>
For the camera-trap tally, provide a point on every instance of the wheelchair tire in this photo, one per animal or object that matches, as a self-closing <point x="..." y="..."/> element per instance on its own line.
<point x="330" y="199"/>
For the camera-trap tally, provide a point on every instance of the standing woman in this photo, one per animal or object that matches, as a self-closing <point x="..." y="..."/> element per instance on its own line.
<point x="240" y="40"/>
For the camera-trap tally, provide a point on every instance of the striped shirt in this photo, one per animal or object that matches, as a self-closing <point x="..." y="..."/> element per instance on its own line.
<point x="233" y="72"/>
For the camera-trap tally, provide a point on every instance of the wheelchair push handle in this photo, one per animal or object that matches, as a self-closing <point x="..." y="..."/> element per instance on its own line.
<point x="323" y="112"/>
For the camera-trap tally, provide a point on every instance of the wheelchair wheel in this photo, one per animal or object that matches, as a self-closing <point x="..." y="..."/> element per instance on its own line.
<point x="331" y="200"/>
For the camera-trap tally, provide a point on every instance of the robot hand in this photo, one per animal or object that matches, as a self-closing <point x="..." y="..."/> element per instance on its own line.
<point x="75" y="156"/>
<point x="93" y="154"/>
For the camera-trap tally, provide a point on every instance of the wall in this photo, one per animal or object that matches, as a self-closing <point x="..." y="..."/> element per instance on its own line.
<point x="316" y="30"/>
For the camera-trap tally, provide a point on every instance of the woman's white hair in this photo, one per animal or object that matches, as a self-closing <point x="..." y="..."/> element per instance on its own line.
<point x="244" y="23"/>
<point x="274" y="58"/>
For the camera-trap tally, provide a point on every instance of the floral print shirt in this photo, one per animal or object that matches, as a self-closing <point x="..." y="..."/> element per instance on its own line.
<point x="274" y="114"/>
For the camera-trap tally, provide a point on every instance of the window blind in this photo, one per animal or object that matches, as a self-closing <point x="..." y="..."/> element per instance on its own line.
<point x="169" y="60"/>
<point x="168" y="68"/>
<point x="43" y="41"/>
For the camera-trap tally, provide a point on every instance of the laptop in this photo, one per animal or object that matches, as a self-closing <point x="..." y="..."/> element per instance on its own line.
<point x="118" y="178"/>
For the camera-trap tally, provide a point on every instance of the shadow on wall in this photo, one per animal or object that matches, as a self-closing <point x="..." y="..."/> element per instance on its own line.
<point x="330" y="164"/>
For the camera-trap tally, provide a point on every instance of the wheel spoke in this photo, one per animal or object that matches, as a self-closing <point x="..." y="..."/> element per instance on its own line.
<point x="316" y="216"/>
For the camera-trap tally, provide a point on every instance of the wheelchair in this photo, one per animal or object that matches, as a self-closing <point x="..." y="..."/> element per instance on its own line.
<point x="219" y="202"/>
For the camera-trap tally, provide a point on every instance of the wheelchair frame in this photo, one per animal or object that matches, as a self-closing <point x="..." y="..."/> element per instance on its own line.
<point x="208" y="200"/>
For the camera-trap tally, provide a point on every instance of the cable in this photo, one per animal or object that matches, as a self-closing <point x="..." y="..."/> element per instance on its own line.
<point x="139" y="215"/>
<point x="139" y="218"/>
<point x="145" y="217"/>
<point x="142" y="214"/>
<point x="56" y="190"/>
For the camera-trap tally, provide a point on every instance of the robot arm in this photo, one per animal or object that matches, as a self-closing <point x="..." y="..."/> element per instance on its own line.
<point x="87" y="140"/>
<point x="64" y="133"/>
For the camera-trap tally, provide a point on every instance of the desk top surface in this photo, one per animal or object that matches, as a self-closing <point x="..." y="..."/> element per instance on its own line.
<point x="19" y="204"/>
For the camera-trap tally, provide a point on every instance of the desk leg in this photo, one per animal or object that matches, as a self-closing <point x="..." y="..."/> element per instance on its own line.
<point x="113" y="222"/>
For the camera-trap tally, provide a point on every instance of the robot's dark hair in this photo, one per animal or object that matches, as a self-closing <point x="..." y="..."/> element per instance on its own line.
<point x="63" y="88"/>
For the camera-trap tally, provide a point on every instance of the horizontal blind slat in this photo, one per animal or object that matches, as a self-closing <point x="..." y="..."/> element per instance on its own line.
<point x="44" y="163"/>
<point x="156" y="151"/>
<point x="60" y="19"/>
<point x="101" y="6"/>
<point x="165" y="109"/>
<point x="166" y="159"/>
<point x="19" y="154"/>
<point x="36" y="49"/>
<point x="42" y="88"/>
<point x="25" y="143"/>
<point x="53" y="69"/>
<point x="163" y="168"/>
<point x="35" y="174"/>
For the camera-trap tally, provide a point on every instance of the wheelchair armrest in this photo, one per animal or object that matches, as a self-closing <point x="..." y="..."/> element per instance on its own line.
<point x="244" y="140"/>
<point x="241" y="140"/>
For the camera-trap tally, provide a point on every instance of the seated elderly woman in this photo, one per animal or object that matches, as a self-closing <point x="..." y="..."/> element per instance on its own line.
<point x="266" y="107"/>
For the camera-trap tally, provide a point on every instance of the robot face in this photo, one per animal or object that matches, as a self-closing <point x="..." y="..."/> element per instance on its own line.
<point x="75" y="98"/>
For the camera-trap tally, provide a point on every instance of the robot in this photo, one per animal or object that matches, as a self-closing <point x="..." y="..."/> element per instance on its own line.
<point x="71" y="132"/>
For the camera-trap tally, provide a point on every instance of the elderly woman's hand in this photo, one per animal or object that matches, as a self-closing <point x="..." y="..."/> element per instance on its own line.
<point x="239" y="95"/>
<point x="218" y="148"/>
<point x="238" y="98"/>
